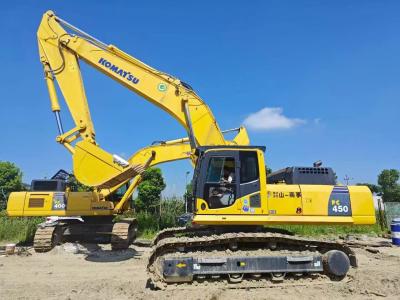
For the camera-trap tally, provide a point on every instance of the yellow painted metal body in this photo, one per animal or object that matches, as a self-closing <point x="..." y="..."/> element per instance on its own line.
<point x="41" y="204"/>
<point x="284" y="210"/>
<point x="288" y="204"/>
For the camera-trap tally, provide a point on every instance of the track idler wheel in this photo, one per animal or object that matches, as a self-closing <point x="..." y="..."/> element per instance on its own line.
<point x="336" y="263"/>
<point x="278" y="277"/>
<point x="235" y="278"/>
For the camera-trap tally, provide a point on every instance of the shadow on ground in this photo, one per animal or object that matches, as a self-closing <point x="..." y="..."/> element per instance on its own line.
<point x="101" y="253"/>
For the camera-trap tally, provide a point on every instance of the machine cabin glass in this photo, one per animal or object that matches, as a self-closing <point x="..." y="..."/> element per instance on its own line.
<point x="227" y="176"/>
<point x="249" y="173"/>
<point x="220" y="187"/>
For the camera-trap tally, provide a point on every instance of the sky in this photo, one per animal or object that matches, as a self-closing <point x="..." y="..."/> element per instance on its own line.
<point x="311" y="80"/>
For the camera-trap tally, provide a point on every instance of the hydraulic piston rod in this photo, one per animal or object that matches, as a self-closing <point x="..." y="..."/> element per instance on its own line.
<point x="55" y="106"/>
<point x="59" y="123"/>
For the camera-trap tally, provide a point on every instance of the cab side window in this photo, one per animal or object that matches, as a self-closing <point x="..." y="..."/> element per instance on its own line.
<point x="248" y="166"/>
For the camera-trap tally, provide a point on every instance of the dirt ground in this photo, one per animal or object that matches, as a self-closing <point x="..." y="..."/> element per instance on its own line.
<point x="91" y="271"/>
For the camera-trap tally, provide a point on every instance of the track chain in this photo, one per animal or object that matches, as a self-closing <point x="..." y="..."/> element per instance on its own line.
<point x="171" y="232"/>
<point x="204" y="230"/>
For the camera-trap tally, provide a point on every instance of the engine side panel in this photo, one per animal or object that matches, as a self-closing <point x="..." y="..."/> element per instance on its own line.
<point x="28" y="204"/>
<point x="294" y="204"/>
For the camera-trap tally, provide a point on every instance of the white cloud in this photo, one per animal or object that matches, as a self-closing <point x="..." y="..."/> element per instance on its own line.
<point x="271" y="118"/>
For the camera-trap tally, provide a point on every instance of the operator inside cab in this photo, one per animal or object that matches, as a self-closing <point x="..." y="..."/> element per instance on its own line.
<point x="221" y="182"/>
<point x="229" y="175"/>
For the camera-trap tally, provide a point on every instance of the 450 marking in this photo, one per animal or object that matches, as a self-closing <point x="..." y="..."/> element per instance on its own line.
<point x="338" y="208"/>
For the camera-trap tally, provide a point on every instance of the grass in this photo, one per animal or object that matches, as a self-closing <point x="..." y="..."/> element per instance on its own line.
<point x="335" y="230"/>
<point x="332" y="230"/>
<point x="147" y="234"/>
<point x="17" y="230"/>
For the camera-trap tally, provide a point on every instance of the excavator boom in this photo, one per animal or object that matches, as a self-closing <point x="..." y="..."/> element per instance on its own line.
<point x="60" y="52"/>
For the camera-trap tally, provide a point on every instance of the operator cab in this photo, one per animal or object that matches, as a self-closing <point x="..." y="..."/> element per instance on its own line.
<point x="57" y="183"/>
<point x="224" y="174"/>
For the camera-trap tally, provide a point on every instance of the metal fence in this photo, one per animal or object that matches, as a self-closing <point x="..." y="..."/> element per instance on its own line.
<point x="392" y="210"/>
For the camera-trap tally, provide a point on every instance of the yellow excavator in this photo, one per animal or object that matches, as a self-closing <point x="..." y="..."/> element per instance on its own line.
<point x="232" y="202"/>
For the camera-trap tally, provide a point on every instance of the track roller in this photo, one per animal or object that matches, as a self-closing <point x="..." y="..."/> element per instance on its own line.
<point x="235" y="278"/>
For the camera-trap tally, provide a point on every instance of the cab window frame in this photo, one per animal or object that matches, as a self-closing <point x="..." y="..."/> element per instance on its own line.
<point x="243" y="155"/>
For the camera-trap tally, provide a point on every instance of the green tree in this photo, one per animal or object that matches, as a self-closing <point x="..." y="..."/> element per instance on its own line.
<point x="10" y="181"/>
<point x="189" y="191"/>
<point x="76" y="186"/>
<point x="171" y="209"/>
<point x="149" y="191"/>
<point x="268" y="170"/>
<point x="390" y="188"/>
<point x="187" y="197"/>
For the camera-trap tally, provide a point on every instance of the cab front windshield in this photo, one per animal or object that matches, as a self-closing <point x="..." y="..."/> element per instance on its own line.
<point x="221" y="169"/>
<point x="220" y="190"/>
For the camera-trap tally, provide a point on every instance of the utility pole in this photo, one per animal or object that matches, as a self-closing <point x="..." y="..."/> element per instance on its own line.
<point x="347" y="179"/>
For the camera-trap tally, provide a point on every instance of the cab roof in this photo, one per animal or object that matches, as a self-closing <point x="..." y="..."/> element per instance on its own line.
<point x="202" y="149"/>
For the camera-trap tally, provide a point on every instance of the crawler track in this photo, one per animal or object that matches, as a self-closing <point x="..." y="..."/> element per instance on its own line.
<point x="254" y="283"/>
<point x="46" y="238"/>
<point x="123" y="234"/>
<point x="120" y="234"/>
<point x="230" y="244"/>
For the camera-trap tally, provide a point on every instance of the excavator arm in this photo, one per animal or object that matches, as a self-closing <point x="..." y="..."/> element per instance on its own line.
<point x="149" y="156"/>
<point x="60" y="51"/>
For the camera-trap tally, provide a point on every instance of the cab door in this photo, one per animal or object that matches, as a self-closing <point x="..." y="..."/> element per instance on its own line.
<point x="249" y="173"/>
<point x="249" y="199"/>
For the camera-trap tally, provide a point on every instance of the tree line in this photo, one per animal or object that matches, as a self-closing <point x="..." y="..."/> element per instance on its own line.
<point x="388" y="186"/>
